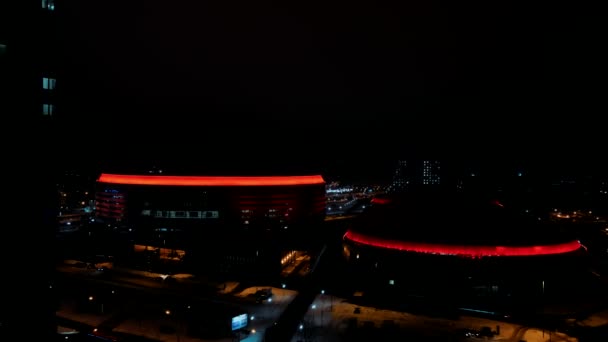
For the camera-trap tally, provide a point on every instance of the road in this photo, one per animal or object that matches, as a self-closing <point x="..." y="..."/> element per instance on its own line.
<point x="149" y="299"/>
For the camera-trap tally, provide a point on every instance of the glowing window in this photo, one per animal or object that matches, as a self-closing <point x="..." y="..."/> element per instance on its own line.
<point x="48" y="109"/>
<point x="48" y="5"/>
<point x="48" y="83"/>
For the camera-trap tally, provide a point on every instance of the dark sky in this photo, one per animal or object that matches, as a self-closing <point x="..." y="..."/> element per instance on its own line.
<point x="330" y="81"/>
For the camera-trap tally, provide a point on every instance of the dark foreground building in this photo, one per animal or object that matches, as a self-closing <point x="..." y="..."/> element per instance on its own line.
<point x="245" y="225"/>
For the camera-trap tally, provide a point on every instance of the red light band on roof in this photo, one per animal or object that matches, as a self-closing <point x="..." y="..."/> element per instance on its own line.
<point x="209" y="180"/>
<point x="380" y="200"/>
<point x="467" y="251"/>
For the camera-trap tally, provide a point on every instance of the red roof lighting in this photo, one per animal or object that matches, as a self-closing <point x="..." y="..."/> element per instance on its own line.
<point x="466" y="251"/>
<point x="209" y="180"/>
<point x="380" y="200"/>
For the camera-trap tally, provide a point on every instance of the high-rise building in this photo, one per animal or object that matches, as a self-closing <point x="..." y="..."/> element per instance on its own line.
<point x="21" y="89"/>
<point x="414" y="173"/>
<point x="47" y="61"/>
<point x="29" y="61"/>
<point x="400" y="177"/>
<point x="431" y="172"/>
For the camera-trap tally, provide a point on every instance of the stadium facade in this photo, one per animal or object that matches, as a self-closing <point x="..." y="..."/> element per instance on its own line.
<point x="438" y="245"/>
<point x="216" y="223"/>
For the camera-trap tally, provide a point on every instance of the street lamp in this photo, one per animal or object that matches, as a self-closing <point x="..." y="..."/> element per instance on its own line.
<point x="178" y="325"/>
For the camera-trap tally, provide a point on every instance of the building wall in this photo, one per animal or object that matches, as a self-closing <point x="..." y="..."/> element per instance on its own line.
<point x="221" y="229"/>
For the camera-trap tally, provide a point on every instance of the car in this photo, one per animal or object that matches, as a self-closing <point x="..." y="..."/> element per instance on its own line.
<point x="470" y="333"/>
<point x="263" y="294"/>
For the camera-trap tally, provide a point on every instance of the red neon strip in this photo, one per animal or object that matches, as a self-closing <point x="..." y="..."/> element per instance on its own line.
<point x="380" y="200"/>
<point x="468" y="251"/>
<point x="210" y="181"/>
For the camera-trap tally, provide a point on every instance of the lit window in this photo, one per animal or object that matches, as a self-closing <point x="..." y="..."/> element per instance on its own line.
<point x="48" y="109"/>
<point x="48" y="83"/>
<point x="48" y="4"/>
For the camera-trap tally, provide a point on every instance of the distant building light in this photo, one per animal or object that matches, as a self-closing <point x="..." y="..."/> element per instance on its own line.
<point x="48" y="109"/>
<point x="48" y="83"/>
<point x="391" y="282"/>
<point x="48" y="5"/>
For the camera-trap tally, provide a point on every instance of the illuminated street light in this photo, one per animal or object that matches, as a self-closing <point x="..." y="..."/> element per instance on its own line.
<point x="322" y="291"/>
<point x="168" y="312"/>
<point x="91" y="298"/>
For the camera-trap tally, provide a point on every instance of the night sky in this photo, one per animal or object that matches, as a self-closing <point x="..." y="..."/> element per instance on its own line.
<point x="350" y="84"/>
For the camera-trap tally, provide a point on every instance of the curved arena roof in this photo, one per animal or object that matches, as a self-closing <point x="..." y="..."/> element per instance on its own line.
<point x="455" y="224"/>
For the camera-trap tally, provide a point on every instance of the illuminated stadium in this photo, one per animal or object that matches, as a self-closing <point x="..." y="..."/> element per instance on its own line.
<point x="187" y="219"/>
<point x="435" y="242"/>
